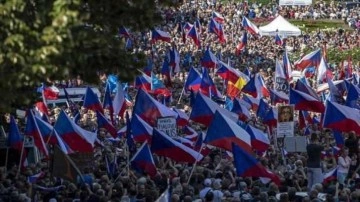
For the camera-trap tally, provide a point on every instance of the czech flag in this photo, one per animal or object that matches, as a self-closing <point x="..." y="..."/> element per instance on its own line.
<point x="164" y="145"/>
<point x="353" y="95"/>
<point x="62" y="145"/>
<point x="141" y="131"/>
<point x="157" y="35"/>
<point x="287" y="66"/>
<point x="51" y="92"/>
<point x="182" y="119"/>
<point x="209" y="60"/>
<point x="278" y="40"/>
<point x="207" y="86"/>
<point x="305" y="88"/>
<point x="77" y="138"/>
<point x="309" y="60"/>
<point x="218" y="17"/>
<point x="324" y="72"/>
<point x="150" y="109"/>
<point x="223" y="131"/>
<point x="36" y="177"/>
<point x="119" y="102"/>
<point x="124" y="32"/>
<point x="214" y="27"/>
<point x="15" y="139"/>
<point x="203" y="110"/>
<point x="242" y="44"/>
<point x="341" y="118"/>
<point x="91" y="101"/>
<point x="31" y="129"/>
<point x="256" y="87"/>
<point x="143" y="81"/>
<point x="304" y="101"/>
<point x="241" y="109"/>
<point x="254" y="102"/>
<point x="259" y="140"/>
<point x="278" y="97"/>
<point x="193" y="80"/>
<point x="339" y="138"/>
<point x="45" y="130"/>
<point x="250" y="27"/>
<point x="195" y="36"/>
<point x="247" y="166"/>
<point x="330" y="176"/>
<point x="102" y="122"/>
<point x="143" y="161"/>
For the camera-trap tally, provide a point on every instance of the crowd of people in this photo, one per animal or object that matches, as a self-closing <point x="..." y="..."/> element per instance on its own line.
<point x="214" y="177"/>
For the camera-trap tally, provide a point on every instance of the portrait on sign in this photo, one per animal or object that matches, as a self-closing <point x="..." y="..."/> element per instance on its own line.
<point x="285" y="113"/>
<point x="285" y="121"/>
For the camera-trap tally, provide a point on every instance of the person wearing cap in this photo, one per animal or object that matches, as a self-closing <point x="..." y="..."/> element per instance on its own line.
<point x="207" y="188"/>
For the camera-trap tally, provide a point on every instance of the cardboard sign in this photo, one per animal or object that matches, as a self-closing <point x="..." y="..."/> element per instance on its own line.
<point x="167" y="125"/>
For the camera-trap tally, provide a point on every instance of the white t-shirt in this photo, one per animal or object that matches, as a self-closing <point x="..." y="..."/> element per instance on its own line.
<point x="344" y="164"/>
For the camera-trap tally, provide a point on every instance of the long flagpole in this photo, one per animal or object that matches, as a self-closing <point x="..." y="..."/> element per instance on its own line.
<point x="21" y="156"/>
<point x="193" y="168"/>
<point x="182" y="92"/>
<point x="6" y="158"/>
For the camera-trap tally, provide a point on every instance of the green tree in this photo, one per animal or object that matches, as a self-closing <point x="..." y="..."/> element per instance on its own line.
<point x="57" y="39"/>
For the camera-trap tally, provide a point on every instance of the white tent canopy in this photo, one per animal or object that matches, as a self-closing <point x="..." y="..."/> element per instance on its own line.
<point x="281" y="26"/>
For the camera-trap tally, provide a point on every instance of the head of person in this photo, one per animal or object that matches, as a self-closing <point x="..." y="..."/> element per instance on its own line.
<point x="285" y="114"/>
<point x="314" y="138"/>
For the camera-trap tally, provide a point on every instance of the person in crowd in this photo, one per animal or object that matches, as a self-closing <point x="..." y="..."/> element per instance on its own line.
<point x="314" y="171"/>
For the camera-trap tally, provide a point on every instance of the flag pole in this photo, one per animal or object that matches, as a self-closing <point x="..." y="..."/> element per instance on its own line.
<point x="193" y="168"/>
<point x="6" y="159"/>
<point x="182" y="92"/>
<point x="21" y="156"/>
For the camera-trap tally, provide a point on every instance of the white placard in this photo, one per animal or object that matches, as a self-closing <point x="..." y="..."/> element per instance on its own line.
<point x="167" y="125"/>
<point x="295" y="2"/>
<point x="285" y="121"/>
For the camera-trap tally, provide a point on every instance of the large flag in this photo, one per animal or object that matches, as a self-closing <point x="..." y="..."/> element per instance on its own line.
<point x="242" y="44"/>
<point x="164" y="145"/>
<point x="76" y="137"/>
<point x="341" y="118"/>
<point x="353" y="95"/>
<point x="157" y="35"/>
<point x="64" y="167"/>
<point x="240" y="108"/>
<point x="150" y="109"/>
<point x="91" y="101"/>
<point x="304" y="101"/>
<point x="143" y="161"/>
<point x="305" y="88"/>
<point x="330" y="176"/>
<point x="45" y="130"/>
<point x="193" y="80"/>
<point x="143" y="81"/>
<point x="15" y="139"/>
<point x="195" y="36"/>
<point x="250" y="27"/>
<point x="218" y="17"/>
<point x="223" y="131"/>
<point x="309" y="60"/>
<point x="141" y="130"/>
<point x="256" y="87"/>
<point x="324" y="73"/>
<point x="31" y="129"/>
<point x="259" y="140"/>
<point x="207" y="86"/>
<point x="182" y="119"/>
<point x="209" y="60"/>
<point x="335" y="95"/>
<point x="247" y="166"/>
<point x="119" y="102"/>
<point x="278" y="97"/>
<point x="203" y="110"/>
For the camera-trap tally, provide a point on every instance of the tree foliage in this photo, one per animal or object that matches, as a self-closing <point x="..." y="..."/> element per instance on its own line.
<point x="57" y="39"/>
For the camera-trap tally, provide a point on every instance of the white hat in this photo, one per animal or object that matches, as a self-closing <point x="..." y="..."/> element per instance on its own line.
<point x="207" y="182"/>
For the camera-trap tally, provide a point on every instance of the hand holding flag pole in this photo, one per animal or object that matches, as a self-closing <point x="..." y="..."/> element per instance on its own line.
<point x="193" y="168"/>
